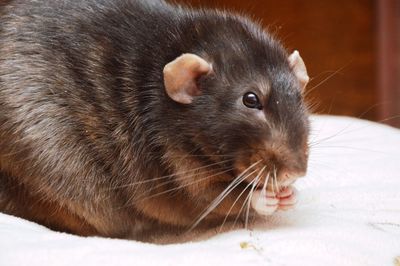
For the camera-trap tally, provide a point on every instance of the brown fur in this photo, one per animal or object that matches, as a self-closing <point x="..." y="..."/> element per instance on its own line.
<point x="92" y="143"/>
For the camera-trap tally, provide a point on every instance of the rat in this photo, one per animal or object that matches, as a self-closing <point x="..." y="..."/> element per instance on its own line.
<point x="130" y="119"/>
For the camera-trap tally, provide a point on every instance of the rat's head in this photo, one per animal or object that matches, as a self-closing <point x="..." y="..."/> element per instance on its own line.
<point x="240" y="104"/>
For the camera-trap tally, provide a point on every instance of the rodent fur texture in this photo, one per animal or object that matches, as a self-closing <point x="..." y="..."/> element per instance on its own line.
<point x="131" y="118"/>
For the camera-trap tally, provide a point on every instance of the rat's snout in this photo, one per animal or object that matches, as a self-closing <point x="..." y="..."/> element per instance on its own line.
<point x="279" y="178"/>
<point x="278" y="166"/>
<point x="287" y="177"/>
<point x="287" y="166"/>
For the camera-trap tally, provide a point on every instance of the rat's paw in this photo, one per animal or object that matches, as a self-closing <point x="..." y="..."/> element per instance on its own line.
<point x="287" y="198"/>
<point x="266" y="203"/>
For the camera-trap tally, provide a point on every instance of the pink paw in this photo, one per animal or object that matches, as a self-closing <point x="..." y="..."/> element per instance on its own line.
<point x="266" y="203"/>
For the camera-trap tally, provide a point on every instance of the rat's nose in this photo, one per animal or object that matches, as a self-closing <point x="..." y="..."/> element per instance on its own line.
<point x="287" y="177"/>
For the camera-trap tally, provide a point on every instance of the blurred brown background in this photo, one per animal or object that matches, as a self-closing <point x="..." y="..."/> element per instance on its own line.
<point x="351" y="49"/>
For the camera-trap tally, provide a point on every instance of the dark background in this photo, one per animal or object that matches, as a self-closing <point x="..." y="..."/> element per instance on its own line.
<point x="351" y="49"/>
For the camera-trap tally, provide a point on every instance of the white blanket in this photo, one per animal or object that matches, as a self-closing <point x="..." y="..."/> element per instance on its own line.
<point x="348" y="214"/>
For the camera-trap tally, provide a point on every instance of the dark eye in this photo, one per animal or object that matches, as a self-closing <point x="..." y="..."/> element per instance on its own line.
<point x="251" y="100"/>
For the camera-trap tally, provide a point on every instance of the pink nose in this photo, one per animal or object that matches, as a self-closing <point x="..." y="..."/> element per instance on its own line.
<point x="286" y="178"/>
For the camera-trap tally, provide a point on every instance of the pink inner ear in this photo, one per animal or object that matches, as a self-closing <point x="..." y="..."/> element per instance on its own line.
<point x="299" y="69"/>
<point x="180" y="77"/>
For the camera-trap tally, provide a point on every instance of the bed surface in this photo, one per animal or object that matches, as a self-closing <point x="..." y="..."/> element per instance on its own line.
<point x="348" y="214"/>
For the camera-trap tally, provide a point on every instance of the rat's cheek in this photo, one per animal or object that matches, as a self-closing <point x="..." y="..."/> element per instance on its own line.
<point x="263" y="203"/>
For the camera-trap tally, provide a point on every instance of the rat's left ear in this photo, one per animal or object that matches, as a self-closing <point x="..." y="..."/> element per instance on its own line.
<point x="181" y="75"/>
<point x="299" y="69"/>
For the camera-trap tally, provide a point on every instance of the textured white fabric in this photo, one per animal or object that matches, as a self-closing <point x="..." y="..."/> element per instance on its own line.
<point x="348" y="214"/>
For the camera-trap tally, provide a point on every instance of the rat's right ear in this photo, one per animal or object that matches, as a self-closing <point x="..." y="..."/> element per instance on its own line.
<point x="299" y="69"/>
<point x="181" y="75"/>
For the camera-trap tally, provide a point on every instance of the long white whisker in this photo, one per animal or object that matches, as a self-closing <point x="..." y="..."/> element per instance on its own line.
<point x="220" y="198"/>
<point x="276" y="182"/>
<point x="238" y="197"/>
<point x="244" y="204"/>
<point x="325" y="79"/>
<point x="170" y="190"/>
<point x="249" y="200"/>
<point x="264" y="188"/>
<point x="224" y="193"/>
<point x="185" y="185"/>
<point x="171" y="175"/>
<point x="252" y="183"/>
<point x="191" y="176"/>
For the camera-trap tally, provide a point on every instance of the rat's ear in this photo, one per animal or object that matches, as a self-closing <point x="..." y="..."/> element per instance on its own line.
<point x="181" y="75"/>
<point x="299" y="69"/>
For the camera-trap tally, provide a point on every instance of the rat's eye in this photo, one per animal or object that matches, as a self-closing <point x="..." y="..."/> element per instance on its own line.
<point x="251" y="100"/>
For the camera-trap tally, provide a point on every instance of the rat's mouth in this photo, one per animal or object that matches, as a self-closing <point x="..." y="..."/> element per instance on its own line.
<point x="248" y="195"/>
<point x="268" y="191"/>
<point x="269" y="180"/>
<point x="266" y="203"/>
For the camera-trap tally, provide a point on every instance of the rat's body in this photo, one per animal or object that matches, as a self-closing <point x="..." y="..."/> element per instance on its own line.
<point x="96" y="140"/>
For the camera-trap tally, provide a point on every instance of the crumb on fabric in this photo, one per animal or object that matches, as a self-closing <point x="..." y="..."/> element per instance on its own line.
<point x="244" y="245"/>
<point x="248" y="245"/>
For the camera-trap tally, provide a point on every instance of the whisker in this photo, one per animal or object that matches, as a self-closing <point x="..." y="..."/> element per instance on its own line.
<point x="132" y="198"/>
<point x="224" y="193"/>
<point x="234" y="203"/>
<point x="170" y="175"/>
<point x="244" y="204"/>
<point x="250" y="196"/>
<point x="183" y="186"/>
<point x="346" y="129"/>
<point x="191" y="176"/>
<point x="324" y="80"/>
<point x="275" y="179"/>
<point x="266" y="182"/>
<point x="207" y="155"/>
<point x="252" y="183"/>
<point x="248" y="199"/>
<point x="312" y="104"/>
<point x="220" y="198"/>
<point x="349" y="148"/>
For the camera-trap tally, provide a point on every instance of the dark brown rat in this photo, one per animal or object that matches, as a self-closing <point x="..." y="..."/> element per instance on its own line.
<point x="129" y="118"/>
